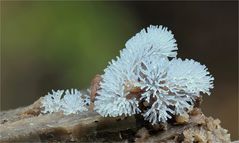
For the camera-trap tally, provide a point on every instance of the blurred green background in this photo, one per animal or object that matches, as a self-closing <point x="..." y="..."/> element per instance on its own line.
<point x="61" y="45"/>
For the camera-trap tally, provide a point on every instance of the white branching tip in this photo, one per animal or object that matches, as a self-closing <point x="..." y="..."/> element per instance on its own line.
<point x="51" y="102"/>
<point x="154" y="40"/>
<point x="73" y="102"/>
<point x="190" y="76"/>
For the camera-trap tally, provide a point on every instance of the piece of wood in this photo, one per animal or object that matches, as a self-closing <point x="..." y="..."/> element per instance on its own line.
<point x="26" y="124"/>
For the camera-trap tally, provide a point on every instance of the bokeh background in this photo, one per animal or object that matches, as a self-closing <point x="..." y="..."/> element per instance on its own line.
<point x="61" y="45"/>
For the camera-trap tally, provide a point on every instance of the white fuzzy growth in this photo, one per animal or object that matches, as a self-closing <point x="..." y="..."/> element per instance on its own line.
<point x="52" y="102"/>
<point x="116" y="106"/>
<point x="68" y="102"/>
<point x="123" y="73"/>
<point x="159" y="111"/>
<point x="144" y="63"/>
<point x="153" y="80"/>
<point x="152" y="77"/>
<point x="175" y="83"/>
<point x="112" y="100"/>
<point x="72" y="103"/>
<point x="190" y="76"/>
<point x="153" y="40"/>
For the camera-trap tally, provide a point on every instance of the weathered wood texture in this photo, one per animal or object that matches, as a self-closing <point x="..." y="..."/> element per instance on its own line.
<point x="27" y="124"/>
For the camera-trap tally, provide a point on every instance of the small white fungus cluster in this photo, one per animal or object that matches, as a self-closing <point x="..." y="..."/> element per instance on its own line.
<point x="170" y="86"/>
<point x="69" y="102"/>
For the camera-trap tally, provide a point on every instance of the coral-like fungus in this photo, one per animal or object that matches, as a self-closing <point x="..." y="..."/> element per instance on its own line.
<point x="66" y="101"/>
<point x="168" y="86"/>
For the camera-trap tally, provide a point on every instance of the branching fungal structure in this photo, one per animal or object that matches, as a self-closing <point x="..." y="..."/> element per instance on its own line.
<point x="168" y="87"/>
<point x="146" y="72"/>
<point x="69" y="101"/>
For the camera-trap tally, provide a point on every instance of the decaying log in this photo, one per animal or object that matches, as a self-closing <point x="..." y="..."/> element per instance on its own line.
<point x="27" y="124"/>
